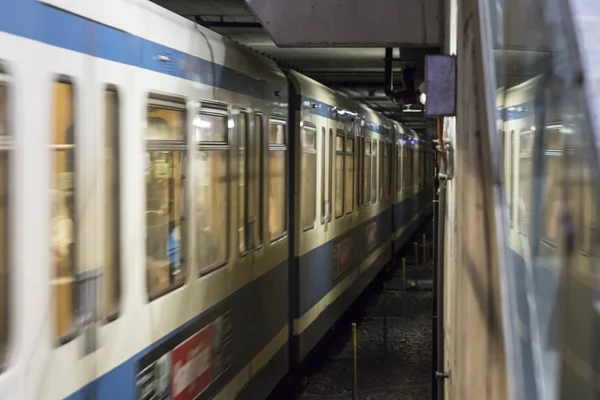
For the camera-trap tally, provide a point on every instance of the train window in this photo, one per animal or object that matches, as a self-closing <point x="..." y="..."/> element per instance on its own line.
<point x="324" y="203"/>
<point x="5" y="148"/>
<point x="386" y="169"/>
<point x="276" y="133"/>
<point x="349" y="176"/>
<point x="381" y="168"/>
<point x="64" y="223"/>
<point x="399" y="151"/>
<point x="308" y="166"/>
<point x="165" y="154"/>
<point x="410" y="152"/>
<point x="112" y="237"/>
<point x="258" y="180"/>
<point x="331" y="151"/>
<point x="211" y="189"/>
<point x="339" y="174"/>
<point x="389" y="167"/>
<point x="367" y="173"/>
<point x="374" y="158"/>
<point x="326" y="175"/>
<point x="359" y="173"/>
<point x="242" y="181"/>
<point x="403" y="171"/>
<point x="277" y="183"/>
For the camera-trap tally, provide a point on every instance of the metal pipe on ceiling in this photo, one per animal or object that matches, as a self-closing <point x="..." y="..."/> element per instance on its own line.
<point x="401" y="97"/>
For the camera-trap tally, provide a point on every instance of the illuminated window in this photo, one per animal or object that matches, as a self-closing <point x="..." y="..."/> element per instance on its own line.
<point x="349" y="176"/>
<point x="339" y="174"/>
<point x="165" y="169"/>
<point x="62" y="194"/>
<point x="367" y="172"/>
<point x="277" y="179"/>
<point x="211" y="205"/>
<point x="308" y="166"/>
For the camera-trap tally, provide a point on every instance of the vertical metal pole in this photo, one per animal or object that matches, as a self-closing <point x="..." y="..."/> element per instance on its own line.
<point x="416" y="253"/>
<point x="417" y="264"/>
<point x="354" y="364"/>
<point x="404" y="284"/>
<point x="424" y="250"/>
<point x="385" y="331"/>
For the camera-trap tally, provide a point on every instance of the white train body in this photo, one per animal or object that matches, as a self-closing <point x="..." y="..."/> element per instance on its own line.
<point x="141" y="55"/>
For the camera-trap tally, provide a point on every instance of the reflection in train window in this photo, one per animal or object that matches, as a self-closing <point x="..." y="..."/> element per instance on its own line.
<point x="165" y="154"/>
<point x="349" y="176"/>
<point x="5" y="147"/>
<point x="525" y="180"/>
<point x="111" y="203"/>
<point x="62" y="194"/>
<point x="308" y="166"/>
<point x="277" y="183"/>
<point x="367" y="173"/>
<point x="211" y="206"/>
<point x="339" y="174"/>
<point x="553" y="157"/>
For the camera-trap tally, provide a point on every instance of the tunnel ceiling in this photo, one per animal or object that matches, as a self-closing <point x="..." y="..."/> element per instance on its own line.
<point x="355" y="72"/>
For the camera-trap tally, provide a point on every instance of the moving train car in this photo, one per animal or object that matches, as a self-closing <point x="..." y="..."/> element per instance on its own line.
<point x="341" y="240"/>
<point x="548" y="176"/>
<point x="413" y="195"/>
<point x="209" y="216"/>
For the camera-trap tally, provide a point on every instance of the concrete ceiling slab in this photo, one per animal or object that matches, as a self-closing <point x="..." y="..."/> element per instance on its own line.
<point x="356" y="72"/>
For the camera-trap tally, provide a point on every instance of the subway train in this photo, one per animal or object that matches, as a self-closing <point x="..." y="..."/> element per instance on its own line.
<point x="180" y="218"/>
<point x="552" y="237"/>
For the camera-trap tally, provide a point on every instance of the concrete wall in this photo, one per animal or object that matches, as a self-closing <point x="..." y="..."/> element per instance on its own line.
<point x="474" y="341"/>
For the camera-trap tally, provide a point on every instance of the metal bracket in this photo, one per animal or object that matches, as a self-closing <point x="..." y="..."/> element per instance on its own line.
<point x="442" y="375"/>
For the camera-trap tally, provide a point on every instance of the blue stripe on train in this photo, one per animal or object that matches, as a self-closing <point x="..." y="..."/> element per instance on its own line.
<point x="315" y="270"/>
<point x="258" y="312"/>
<point x="37" y="21"/>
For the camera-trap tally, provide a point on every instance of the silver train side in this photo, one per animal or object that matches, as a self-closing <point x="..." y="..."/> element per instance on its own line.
<point x="318" y="192"/>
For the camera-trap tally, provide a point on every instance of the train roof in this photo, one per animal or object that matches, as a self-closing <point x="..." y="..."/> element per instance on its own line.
<point x="312" y="89"/>
<point x="125" y="24"/>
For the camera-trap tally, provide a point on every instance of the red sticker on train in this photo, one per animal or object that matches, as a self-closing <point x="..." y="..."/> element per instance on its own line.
<point x="192" y="366"/>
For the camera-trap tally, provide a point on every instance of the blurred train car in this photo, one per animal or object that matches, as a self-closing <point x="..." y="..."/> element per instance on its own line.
<point x="209" y="217"/>
<point x="413" y="173"/>
<point x="341" y="206"/>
